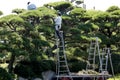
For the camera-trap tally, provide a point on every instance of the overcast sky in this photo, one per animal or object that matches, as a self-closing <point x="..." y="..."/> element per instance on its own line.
<point x="7" y="5"/>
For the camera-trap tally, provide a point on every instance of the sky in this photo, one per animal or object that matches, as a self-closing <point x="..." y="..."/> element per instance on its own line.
<point x="6" y="6"/>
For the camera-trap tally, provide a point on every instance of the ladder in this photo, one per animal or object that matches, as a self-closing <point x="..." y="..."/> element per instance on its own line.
<point x="62" y="68"/>
<point x="105" y="57"/>
<point x="93" y="51"/>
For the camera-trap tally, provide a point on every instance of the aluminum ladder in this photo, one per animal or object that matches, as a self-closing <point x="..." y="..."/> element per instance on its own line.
<point x="105" y="58"/>
<point x="93" y="51"/>
<point x="62" y="69"/>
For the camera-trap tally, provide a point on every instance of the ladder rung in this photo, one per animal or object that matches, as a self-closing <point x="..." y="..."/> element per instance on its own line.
<point x="91" y="53"/>
<point x="61" y="40"/>
<point x="90" y="59"/>
<point x="61" y="56"/>
<point x="104" y="58"/>
<point x="93" y="42"/>
<point x="61" y="51"/>
<point x="104" y="64"/>
<point x="63" y="66"/>
<point x="62" y="61"/>
<point x="64" y="71"/>
<point x="92" y="48"/>
<point x="103" y="69"/>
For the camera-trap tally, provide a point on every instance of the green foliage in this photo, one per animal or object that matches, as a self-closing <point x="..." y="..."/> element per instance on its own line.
<point x="115" y="62"/>
<point x="4" y="75"/>
<point x="18" y="11"/>
<point x="31" y="33"/>
<point x="30" y="13"/>
<point x="77" y="12"/>
<point x="47" y="29"/>
<point x="61" y="6"/>
<point x="101" y="16"/>
<point x="1" y="12"/>
<point x="33" y="68"/>
<point x="112" y="8"/>
<point x="77" y="65"/>
<point x="92" y="13"/>
<point x="12" y="21"/>
<point x="16" y="20"/>
<point x="6" y="18"/>
<point x="23" y="71"/>
<point x="74" y="31"/>
<point x="115" y="14"/>
<point x="79" y="2"/>
<point x="88" y="27"/>
<point x="47" y="12"/>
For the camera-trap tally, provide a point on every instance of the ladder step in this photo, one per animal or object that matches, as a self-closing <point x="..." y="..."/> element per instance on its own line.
<point x="64" y="71"/>
<point x="63" y="66"/>
<point x="61" y="51"/>
<point x="62" y="61"/>
<point x="92" y="48"/>
<point x="61" y="56"/>
<point x="91" y="59"/>
<point x="104" y="64"/>
<point x="61" y="46"/>
<point x="103" y="69"/>
<point x="91" y="53"/>
<point x="103" y="58"/>
<point x="93" y="42"/>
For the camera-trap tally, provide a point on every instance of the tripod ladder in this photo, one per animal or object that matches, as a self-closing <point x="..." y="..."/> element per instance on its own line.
<point x="105" y="58"/>
<point x="62" y="68"/>
<point x="93" y="51"/>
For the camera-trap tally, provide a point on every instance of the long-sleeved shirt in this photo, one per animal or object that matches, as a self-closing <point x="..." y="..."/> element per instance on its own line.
<point x="31" y="7"/>
<point x="58" y="20"/>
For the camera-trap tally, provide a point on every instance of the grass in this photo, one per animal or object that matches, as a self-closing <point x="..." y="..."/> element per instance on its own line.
<point x="117" y="77"/>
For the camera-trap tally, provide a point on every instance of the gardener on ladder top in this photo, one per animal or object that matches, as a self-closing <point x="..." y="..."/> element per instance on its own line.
<point x="58" y="22"/>
<point x="31" y="6"/>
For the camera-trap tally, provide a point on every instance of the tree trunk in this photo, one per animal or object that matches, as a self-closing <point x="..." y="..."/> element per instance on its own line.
<point x="10" y="66"/>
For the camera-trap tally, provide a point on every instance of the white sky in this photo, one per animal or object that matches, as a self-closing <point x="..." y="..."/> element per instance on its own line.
<point x="6" y="6"/>
<point x="101" y="4"/>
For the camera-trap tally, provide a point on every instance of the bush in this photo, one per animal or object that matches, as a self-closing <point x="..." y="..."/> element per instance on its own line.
<point x="77" y="65"/>
<point x="116" y="64"/>
<point x="23" y="71"/>
<point x="4" y="75"/>
<point x="41" y="66"/>
<point x="32" y="69"/>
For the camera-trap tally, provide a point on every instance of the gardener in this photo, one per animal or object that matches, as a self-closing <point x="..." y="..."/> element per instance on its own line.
<point x="31" y="6"/>
<point x="58" y="22"/>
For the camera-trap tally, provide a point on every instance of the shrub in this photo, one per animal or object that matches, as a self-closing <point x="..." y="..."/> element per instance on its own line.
<point x="77" y="65"/>
<point x="32" y="69"/>
<point x="4" y="75"/>
<point x="23" y="71"/>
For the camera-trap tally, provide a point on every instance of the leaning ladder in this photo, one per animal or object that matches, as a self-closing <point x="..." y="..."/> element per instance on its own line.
<point x="93" y="51"/>
<point x="105" y="57"/>
<point x="62" y="68"/>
